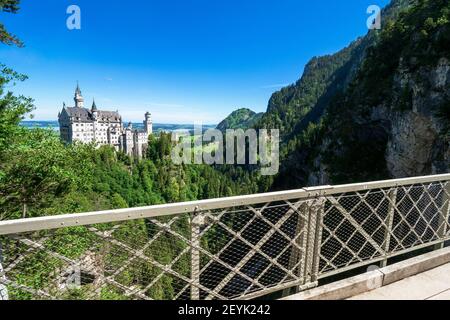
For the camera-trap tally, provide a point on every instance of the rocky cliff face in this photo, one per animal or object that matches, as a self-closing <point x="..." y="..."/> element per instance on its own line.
<point x="416" y="145"/>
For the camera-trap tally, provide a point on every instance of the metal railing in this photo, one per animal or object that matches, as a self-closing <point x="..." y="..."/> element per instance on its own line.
<point x="231" y="248"/>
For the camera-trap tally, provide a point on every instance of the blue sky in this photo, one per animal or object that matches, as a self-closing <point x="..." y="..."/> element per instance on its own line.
<point x="182" y="60"/>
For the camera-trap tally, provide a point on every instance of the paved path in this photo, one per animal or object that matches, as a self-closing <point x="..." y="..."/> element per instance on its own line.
<point x="430" y="285"/>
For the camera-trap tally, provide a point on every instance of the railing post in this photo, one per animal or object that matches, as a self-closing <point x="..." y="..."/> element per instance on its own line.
<point x="314" y="240"/>
<point x="444" y="216"/>
<point x="196" y="223"/>
<point x="310" y="241"/>
<point x="392" y="195"/>
<point x="3" y="289"/>
<point x="318" y="211"/>
<point x="298" y="256"/>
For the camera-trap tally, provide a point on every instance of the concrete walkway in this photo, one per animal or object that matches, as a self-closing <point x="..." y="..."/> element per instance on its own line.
<point x="424" y="277"/>
<point x="430" y="285"/>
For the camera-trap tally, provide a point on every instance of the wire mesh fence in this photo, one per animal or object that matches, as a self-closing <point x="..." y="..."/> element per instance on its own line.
<point x="365" y="225"/>
<point x="242" y="250"/>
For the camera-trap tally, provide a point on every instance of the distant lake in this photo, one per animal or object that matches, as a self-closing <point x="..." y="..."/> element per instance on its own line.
<point x="157" y="127"/>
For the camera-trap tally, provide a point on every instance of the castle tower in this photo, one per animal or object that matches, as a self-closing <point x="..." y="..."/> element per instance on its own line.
<point x="148" y="123"/>
<point x="79" y="100"/>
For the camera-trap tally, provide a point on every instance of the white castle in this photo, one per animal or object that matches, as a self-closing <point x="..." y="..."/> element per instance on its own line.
<point x="79" y="124"/>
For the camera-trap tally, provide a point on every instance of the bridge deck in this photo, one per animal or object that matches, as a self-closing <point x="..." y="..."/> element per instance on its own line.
<point x="430" y="285"/>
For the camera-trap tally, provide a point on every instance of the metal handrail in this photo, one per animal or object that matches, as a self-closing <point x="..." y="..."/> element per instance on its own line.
<point x="118" y="215"/>
<point x="294" y="238"/>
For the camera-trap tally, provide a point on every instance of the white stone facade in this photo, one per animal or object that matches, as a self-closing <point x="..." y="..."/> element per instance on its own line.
<point x="78" y="124"/>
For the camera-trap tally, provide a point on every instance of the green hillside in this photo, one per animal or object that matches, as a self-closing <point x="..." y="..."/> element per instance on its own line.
<point x="239" y="119"/>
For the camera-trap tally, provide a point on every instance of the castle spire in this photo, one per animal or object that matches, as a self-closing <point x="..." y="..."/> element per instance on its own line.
<point x="77" y="90"/>
<point x="79" y="100"/>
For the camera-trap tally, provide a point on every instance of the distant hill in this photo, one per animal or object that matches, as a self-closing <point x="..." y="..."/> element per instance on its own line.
<point x="240" y="119"/>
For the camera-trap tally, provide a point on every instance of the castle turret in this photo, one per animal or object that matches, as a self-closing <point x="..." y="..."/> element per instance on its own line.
<point x="148" y="123"/>
<point x="94" y="110"/>
<point x="79" y="100"/>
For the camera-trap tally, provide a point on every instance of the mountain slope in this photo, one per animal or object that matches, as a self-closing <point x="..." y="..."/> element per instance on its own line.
<point x="391" y="120"/>
<point x="290" y="105"/>
<point x="292" y="108"/>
